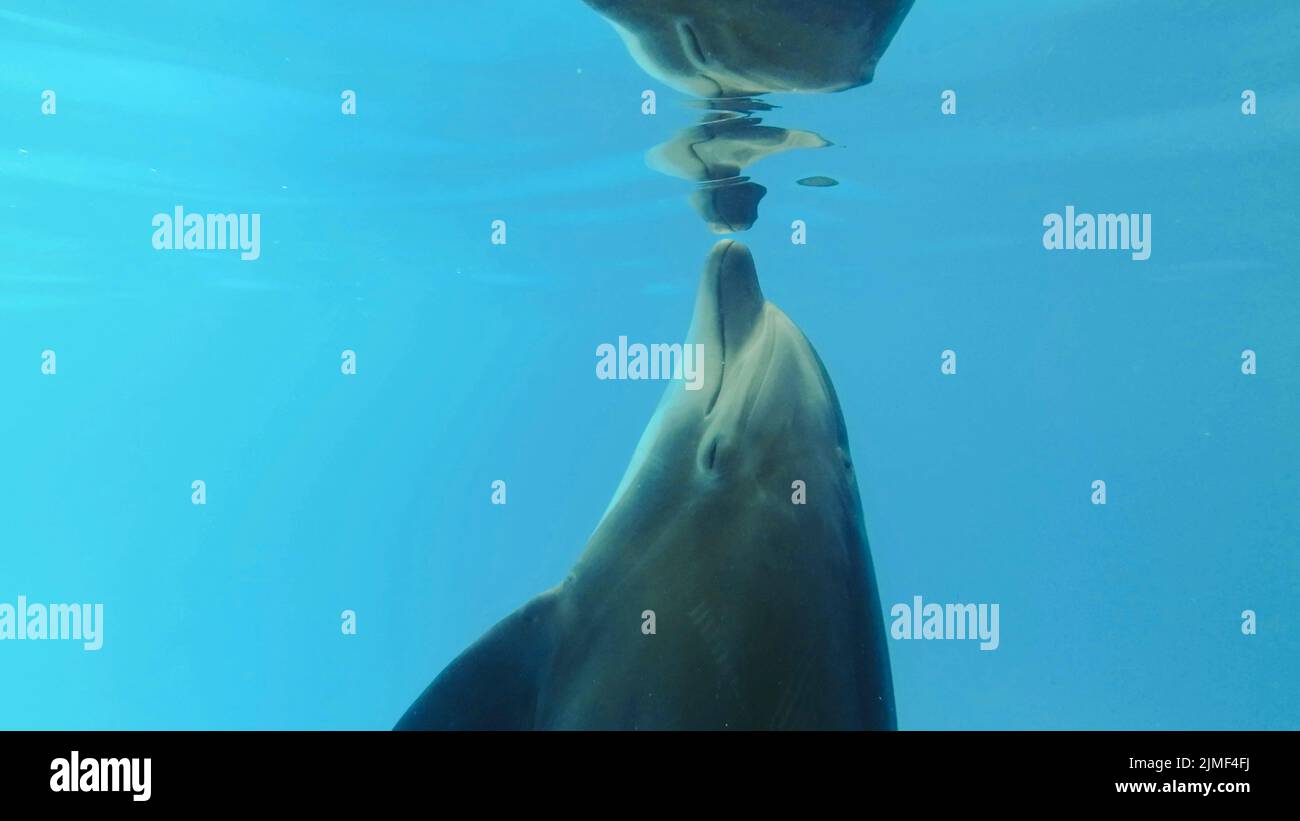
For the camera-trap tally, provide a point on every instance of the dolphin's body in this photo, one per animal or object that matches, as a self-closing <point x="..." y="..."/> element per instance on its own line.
<point x="766" y="611"/>
<point x="731" y="48"/>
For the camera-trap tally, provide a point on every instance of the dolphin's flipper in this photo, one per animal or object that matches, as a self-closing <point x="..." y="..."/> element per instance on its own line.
<point x="493" y="685"/>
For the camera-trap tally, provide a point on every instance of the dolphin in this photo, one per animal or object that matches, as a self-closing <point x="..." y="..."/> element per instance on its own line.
<point x="765" y="611"/>
<point x="734" y="48"/>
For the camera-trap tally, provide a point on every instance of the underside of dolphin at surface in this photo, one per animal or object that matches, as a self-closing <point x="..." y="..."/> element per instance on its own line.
<point x="731" y="48"/>
<point x="766" y="610"/>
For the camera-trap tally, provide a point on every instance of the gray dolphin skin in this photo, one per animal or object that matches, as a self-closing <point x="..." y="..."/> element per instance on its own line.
<point x="732" y="48"/>
<point x="766" y="611"/>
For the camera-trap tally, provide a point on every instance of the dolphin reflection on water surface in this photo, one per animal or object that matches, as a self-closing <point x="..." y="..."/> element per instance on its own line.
<point x="729" y="51"/>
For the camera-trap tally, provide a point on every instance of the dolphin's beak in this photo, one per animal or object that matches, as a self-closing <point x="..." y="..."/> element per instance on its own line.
<point x="728" y="307"/>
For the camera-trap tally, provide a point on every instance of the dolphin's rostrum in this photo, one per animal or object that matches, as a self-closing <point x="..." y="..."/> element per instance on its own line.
<point x="767" y="613"/>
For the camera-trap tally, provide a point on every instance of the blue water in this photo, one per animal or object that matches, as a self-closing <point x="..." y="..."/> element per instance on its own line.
<point x="475" y="362"/>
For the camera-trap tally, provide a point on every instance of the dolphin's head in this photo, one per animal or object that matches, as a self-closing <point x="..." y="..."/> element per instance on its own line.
<point x="739" y="523"/>
<point x="764" y="414"/>
<point x="766" y="394"/>
<point x="729" y="48"/>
